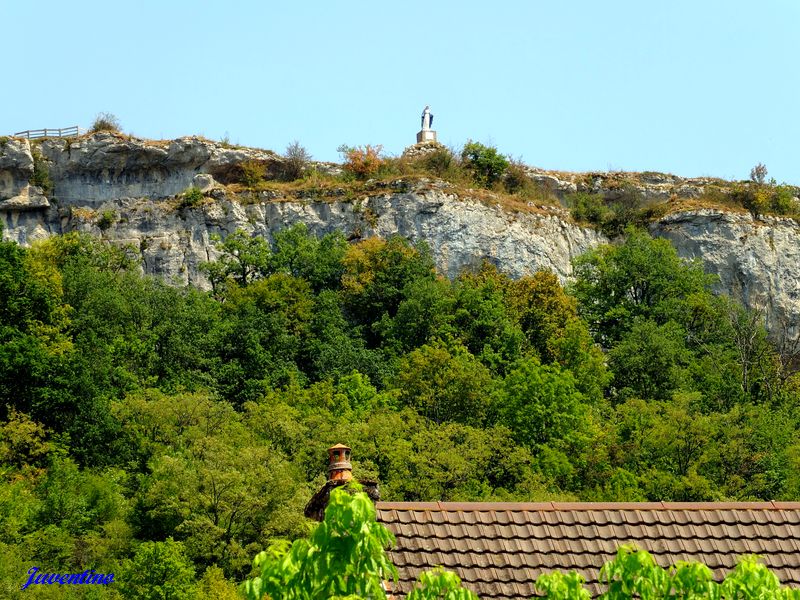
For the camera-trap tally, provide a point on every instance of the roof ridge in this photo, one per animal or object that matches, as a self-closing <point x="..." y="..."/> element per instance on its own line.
<point x="586" y="506"/>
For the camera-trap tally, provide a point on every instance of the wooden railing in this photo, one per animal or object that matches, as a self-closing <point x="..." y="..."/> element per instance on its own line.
<point x="34" y="134"/>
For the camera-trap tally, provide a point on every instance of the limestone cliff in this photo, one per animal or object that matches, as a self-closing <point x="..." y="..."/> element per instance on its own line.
<point x="125" y="190"/>
<point x="461" y="232"/>
<point x="757" y="260"/>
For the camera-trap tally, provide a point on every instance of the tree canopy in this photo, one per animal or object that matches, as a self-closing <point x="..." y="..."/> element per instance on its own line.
<point x="134" y="412"/>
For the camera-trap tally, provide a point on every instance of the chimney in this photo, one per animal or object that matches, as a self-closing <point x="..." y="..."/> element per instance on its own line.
<point x="340" y="472"/>
<point x="339" y="467"/>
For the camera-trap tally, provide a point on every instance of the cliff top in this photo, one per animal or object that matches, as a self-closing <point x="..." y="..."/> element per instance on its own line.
<point x="89" y="169"/>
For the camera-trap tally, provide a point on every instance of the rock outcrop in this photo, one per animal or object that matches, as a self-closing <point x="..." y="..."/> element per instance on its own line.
<point x="16" y="171"/>
<point x="125" y="191"/>
<point x="104" y="167"/>
<point x="652" y="188"/>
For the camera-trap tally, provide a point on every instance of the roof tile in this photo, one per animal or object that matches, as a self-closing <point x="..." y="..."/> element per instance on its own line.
<point x="503" y="517"/>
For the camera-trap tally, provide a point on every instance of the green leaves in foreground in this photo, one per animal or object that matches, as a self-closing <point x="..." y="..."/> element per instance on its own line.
<point x="344" y="556"/>
<point x="635" y="574"/>
<point x="438" y="584"/>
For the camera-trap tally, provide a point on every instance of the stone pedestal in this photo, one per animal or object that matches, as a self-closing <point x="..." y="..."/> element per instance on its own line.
<point x="426" y="135"/>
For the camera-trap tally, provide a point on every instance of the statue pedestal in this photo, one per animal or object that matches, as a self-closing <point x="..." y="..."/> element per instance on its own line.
<point x="426" y="135"/>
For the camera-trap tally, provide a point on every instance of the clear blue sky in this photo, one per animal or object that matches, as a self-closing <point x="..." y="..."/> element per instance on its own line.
<point x="700" y="87"/>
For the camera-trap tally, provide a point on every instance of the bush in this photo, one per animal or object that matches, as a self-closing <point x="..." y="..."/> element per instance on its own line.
<point x="783" y="200"/>
<point x="191" y="197"/>
<point x="296" y="161"/>
<point x="439" y="162"/>
<point x="516" y="180"/>
<point x="105" y="122"/>
<point x="41" y="173"/>
<point x="485" y="162"/>
<point x="106" y="220"/>
<point x="363" y="162"/>
<point x="251" y="173"/>
<point x="587" y="207"/>
<point x="609" y="216"/>
<point x="766" y="198"/>
<point x="626" y="210"/>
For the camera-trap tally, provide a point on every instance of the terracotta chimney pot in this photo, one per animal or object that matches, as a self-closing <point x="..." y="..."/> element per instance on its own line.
<point x="339" y="467"/>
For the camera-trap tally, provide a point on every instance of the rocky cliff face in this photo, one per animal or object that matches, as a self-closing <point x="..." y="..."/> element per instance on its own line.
<point x="461" y="233"/>
<point x="107" y="166"/>
<point x="757" y="260"/>
<point x="16" y="171"/>
<point x="124" y="190"/>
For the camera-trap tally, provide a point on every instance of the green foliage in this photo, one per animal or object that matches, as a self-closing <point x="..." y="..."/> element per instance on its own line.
<point x="650" y="360"/>
<point x="516" y="180"/>
<point x="214" y="586"/>
<point x="158" y="571"/>
<point x="611" y="216"/>
<point x="245" y="257"/>
<point x="486" y="164"/>
<point x="317" y="260"/>
<point x="137" y="412"/>
<point x="639" y="278"/>
<point x="191" y="197"/>
<point x="107" y="219"/>
<point x="541" y="404"/>
<point x="345" y="555"/>
<point x="105" y="121"/>
<point x="784" y="200"/>
<point x="484" y="316"/>
<point x="750" y="579"/>
<point x="251" y="173"/>
<point x="766" y="198"/>
<point x="438" y="584"/>
<point x="41" y="172"/>
<point x="376" y="273"/>
<point x="445" y="384"/>
<point x="589" y="207"/>
<point x="562" y="586"/>
<point x="22" y="441"/>
<point x="440" y="162"/>
<point x="634" y="574"/>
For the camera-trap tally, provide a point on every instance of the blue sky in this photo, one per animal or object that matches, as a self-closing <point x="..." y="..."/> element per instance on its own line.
<point x="695" y="88"/>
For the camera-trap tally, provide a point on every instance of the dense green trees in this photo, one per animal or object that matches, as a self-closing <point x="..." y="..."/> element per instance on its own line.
<point x="136" y="412"/>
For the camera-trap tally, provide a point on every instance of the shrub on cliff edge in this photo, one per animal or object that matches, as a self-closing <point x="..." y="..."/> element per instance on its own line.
<point x="105" y="121"/>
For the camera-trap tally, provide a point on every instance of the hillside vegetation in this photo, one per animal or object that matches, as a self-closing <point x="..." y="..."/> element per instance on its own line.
<point x="609" y="201"/>
<point x="147" y="425"/>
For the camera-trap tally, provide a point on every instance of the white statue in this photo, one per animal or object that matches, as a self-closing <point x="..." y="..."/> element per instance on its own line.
<point x="427" y="118"/>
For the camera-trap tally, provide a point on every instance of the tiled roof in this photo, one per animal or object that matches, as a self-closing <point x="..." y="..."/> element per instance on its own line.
<point x="499" y="549"/>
